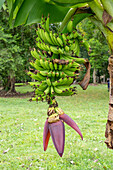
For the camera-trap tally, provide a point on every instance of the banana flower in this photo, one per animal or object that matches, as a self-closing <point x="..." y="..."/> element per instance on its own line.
<point x="54" y="127"/>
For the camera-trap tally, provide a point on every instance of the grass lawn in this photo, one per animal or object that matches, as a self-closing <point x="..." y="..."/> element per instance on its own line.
<point x="21" y="133"/>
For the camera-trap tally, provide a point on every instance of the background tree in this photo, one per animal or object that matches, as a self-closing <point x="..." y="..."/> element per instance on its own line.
<point x="98" y="55"/>
<point x="100" y="12"/>
<point x="15" y="44"/>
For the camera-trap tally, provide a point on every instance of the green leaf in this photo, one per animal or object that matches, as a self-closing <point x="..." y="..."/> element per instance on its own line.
<point x="28" y="12"/>
<point x="56" y="13"/>
<point x="10" y="4"/>
<point x="23" y="12"/>
<point x="68" y="3"/>
<point x="15" y="7"/>
<point x="1" y="3"/>
<point x="79" y="17"/>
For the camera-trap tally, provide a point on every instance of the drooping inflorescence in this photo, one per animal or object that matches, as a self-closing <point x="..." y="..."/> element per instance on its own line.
<point x="57" y="66"/>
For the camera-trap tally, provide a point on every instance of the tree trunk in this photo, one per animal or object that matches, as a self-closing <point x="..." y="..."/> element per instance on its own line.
<point x="109" y="125"/>
<point x="94" y="76"/>
<point x="9" y="85"/>
<point x="12" y="87"/>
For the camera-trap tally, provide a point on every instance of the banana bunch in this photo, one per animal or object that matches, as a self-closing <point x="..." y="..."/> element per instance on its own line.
<point x="53" y="76"/>
<point x="56" y="63"/>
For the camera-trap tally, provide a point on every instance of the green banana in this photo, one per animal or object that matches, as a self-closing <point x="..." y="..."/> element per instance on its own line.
<point x="39" y="32"/>
<point x="40" y="53"/>
<point x="42" y="63"/>
<point x="54" y="49"/>
<point x="55" y="66"/>
<point x="70" y="25"/>
<point x="55" y="39"/>
<point x="52" y="90"/>
<point x="39" y="45"/>
<point x="73" y="69"/>
<point x="51" y="65"/>
<point x="60" y="42"/>
<point x="63" y="88"/>
<point x="66" y="93"/>
<point x="52" y="38"/>
<point x="53" y="73"/>
<point x="58" y="91"/>
<point x="35" y="54"/>
<point x="66" y="48"/>
<point x="61" y="51"/>
<point x="80" y="60"/>
<point x="43" y="36"/>
<point x="43" y="73"/>
<point x="57" y="74"/>
<point x="75" y="34"/>
<point x="70" y="73"/>
<point x="85" y="44"/>
<point x="40" y="76"/>
<point x="37" y="66"/>
<point x="47" y="64"/>
<point x="60" y="67"/>
<point x="35" y="99"/>
<point x="43" y="86"/>
<point x="48" y="81"/>
<point x="48" y="38"/>
<point x="64" y="38"/>
<point x="62" y="74"/>
<point x="66" y="81"/>
<point x="47" y="91"/>
<point x="49" y="74"/>
<point x="36" y="83"/>
<point x="63" y="81"/>
<point x="65" y="67"/>
<point x="47" y="23"/>
<point x="75" y="46"/>
<point x="43" y="46"/>
<point x="42" y="20"/>
<point x="34" y="76"/>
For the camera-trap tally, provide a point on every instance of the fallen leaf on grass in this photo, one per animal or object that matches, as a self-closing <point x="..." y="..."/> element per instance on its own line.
<point x="96" y="149"/>
<point x="72" y="162"/>
<point x="6" y="151"/>
<point x="95" y="160"/>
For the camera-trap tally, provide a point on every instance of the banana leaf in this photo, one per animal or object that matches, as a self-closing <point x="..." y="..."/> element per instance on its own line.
<point x="71" y="1"/>
<point x="1" y="3"/>
<point x="28" y="12"/>
<point x="79" y="17"/>
<point x="68" y="3"/>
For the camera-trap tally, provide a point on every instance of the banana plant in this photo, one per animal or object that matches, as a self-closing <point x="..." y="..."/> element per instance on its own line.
<point x="100" y="12"/>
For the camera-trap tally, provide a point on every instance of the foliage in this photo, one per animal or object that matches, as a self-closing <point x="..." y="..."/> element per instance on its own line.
<point x="22" y="128"/>
<point x="99" y="52"/>
<point x="15" y="45"/>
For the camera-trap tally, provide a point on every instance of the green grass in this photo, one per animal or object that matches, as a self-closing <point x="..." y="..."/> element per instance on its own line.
<point x="22" y="125"/>
<point x="24" y="89"/>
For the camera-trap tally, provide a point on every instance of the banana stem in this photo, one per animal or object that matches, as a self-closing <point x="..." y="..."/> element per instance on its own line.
<point x="107" y="33"/>
<point x="108" y="6"/>
<point x="97" y="9"/>
<point x="68" y="16"/>
<point x="80" y="60"/>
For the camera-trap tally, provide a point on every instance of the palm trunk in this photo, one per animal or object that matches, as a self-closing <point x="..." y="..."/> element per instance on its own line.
<point x="100" y="21"/>
<point x="109" y="125"/>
